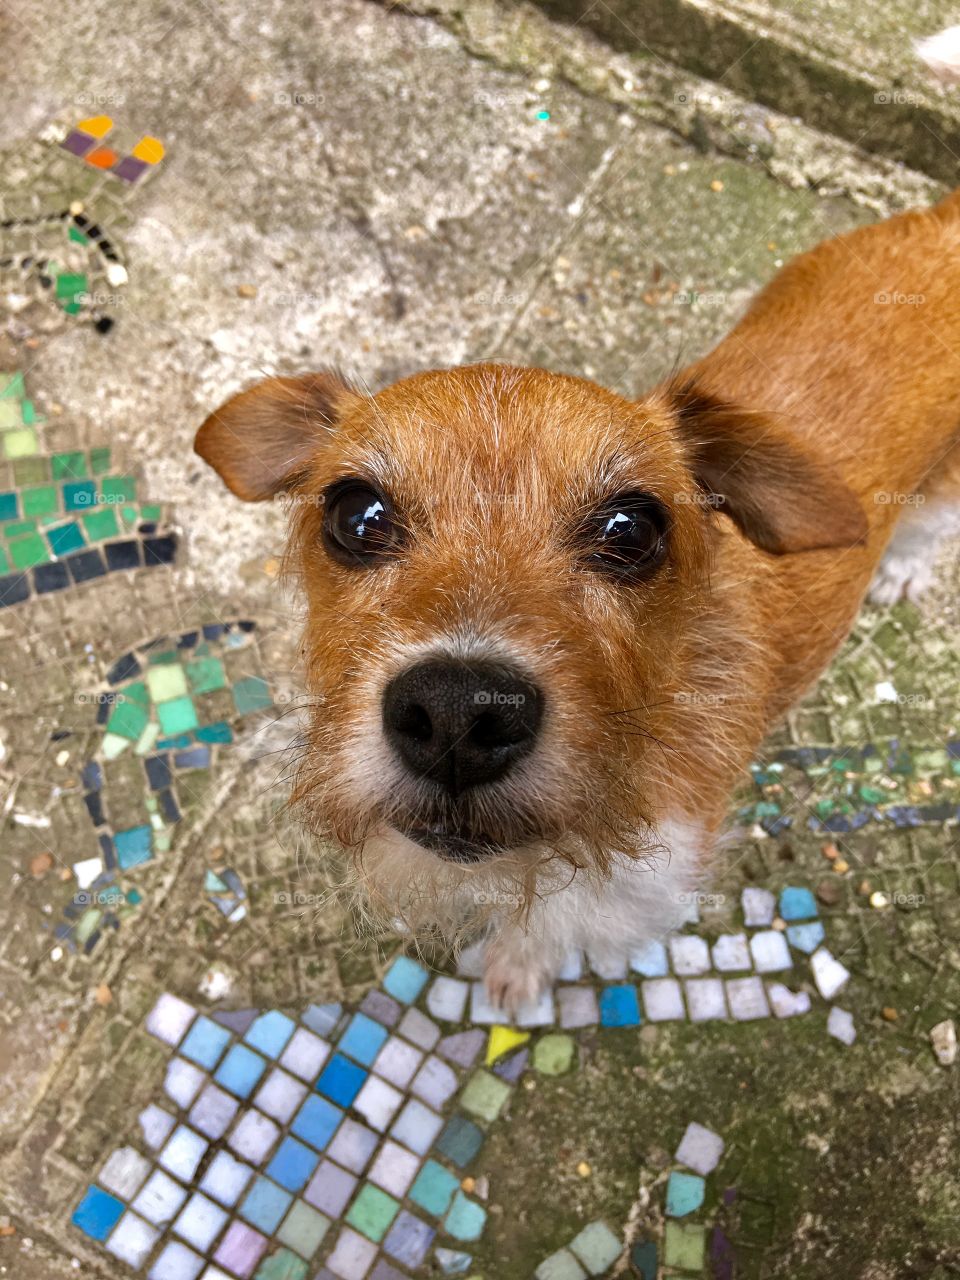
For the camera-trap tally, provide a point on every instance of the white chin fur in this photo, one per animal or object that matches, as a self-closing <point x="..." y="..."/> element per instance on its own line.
<point x="941" y="53"/>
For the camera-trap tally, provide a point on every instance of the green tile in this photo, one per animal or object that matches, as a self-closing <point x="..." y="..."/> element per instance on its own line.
<point x="10" y="415"/>
<point x="65" y="538"/>
<point x="465" y="1219"/>
<point x="29" y="413"/>
<point x="166" y="683"/>
<point x="282" y="1265"/>
<point x="151" y="511"/>
<point x="31" y="471"/>
<point x="683" y="1246"/>
<point x="69" y="466"/>
<point x="168" y="655"/>
<point x="19" y="444"/>
<point x="206" y="675"/>
<point x="100" y="460"/>
<point x="28" y="551"/>
<point x="251" y="694"/>
<point x="79" y="495"/>
<point x="77" y="236"/>
<point x="69" y="284"/>
<point x="597" y="1247"/>
<point x="485" y="1095"/>
<point x="136" y="691"/>
<point x="372" y="1212"/>
<point x="561" y="1265"/>
<point x="11" y="386"/>
<point x="101" y="524"/>
<point x="15" y="528"/>
<point x="178" y="716"/>
<point x="129" y="515"/>
<point x="128" y="719"/>
<point x="553" y="1054"/>
<point x="4" y="562"/>
<point x="42" y="501"/>
<point x="303" y="1229"/>
<point x="118" y="488"/>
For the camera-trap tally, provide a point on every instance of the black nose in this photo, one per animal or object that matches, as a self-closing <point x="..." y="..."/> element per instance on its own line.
<point x="461" y="724"/>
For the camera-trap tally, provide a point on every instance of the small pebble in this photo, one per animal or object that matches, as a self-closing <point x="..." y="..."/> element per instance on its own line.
<point x="879" y="900"/>
<point x="246" y="290"/>
<point x="584" y="1169"/>
<point x="829" y="892"/>
<point x="831" y="852"/>
<point x="841" y="867"/>
<point x="716" y="185"/>
<point x="943" y="1039"/>
<point x="889" y="1014"/>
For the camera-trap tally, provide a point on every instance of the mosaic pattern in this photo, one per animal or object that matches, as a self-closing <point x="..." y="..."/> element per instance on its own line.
<point x="170" y="707"/>
<point x="59" y="242"/>
<point x="841" y="789"/>
<point x="344" y="1139"/>
<point x="67" y="518"/>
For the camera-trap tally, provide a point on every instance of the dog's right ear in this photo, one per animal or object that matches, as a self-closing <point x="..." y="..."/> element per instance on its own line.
<point x="259" y="442"/>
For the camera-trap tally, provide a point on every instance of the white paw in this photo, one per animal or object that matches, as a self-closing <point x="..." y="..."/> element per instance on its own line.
<point x="901" y="577"/>
<point x="514" y="978"/>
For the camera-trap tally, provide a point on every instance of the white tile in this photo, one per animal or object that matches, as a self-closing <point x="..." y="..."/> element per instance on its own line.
<point x="132" y="1240"/>
<point x="305" y="1055"/>
<point x="155" y="1125"/>
<point x="537" y="1013"/>
<point x="610" y="966"/>
<point x="577" y="1006"/>
<point x="759" y="907"/>
<point x="183" y="1152"/>
<point x="571" y="970"/>
<point x="786" y="1003"/>
<point x="650" y="960"/>
<point x="226" y="1178"/>
<point x="200" y="1222"/>
<point x="182" y="1081"/>
<point x="213" y="1112"/>
<point x="124" y="1172"/>
<point x="700" y="1149"/>
<point x="352" y="1257"/>
<point x="747" y="999"/>
<point x="840" y="1025"/>
<point x="352" y="1145"/>
<point x="770" y="951"/>
<point x="416" y="1026"/>
<point x="280" y="1095"/>
<point x="169" y="1018"/>
<point x="689" y="955"/>
<point x="447" y="998"/>
<point x="482" y="1010"/>
<point x="397" y="1062"/>
<point x="434" y="1083"/>
<point x="828" y="973"/>
<point x="705" y="999"/>
<point x="160" y="1198"/>
<point x="663" y="1000"/>
<point x="214" y="1273"/>
<point x="377" y="1102"/>
<point x="253" y="1137"/>
<point x="731" y="953"/>
<point x="177" y="1262"/>
<point x="394" y="1169"/>
<point x="416" y="1127"/>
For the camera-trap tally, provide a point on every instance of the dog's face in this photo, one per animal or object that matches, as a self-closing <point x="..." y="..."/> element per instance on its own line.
<point x="507" y="573"/>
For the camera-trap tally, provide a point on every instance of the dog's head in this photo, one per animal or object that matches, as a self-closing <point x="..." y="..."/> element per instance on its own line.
<point x="507" y="576"/>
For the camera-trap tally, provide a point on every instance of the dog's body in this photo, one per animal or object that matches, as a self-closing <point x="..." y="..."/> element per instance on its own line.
<point x="627" y="595"/>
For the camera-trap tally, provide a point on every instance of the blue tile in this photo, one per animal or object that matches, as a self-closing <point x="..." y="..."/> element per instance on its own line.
<point x="97" y="1213"/>
<point x="218" y="732"/>
<point x="270" y="1033"/>
<point x="408" y="1239"/>
<point x="133" y="846"/>
<point x="322" y="1018"/>
<point x="293" y="1164"/>
<point x="240" y="1070"/>
<point x="619" y="1007"/>
<point x="79" y="496"/>
<point x="806" y="937"/>
<point x="8" y="506"/>
<point x="363" y="1039"/>
<point x="466" y="1218"/>
<point x="317" y="1121"/>
<point x="405" y="979"/>
<point x="65" y="538"/>
<point x="265" y="1204"/>
<point x="205" y="1043"/>
<point x="797" y="903"/>
<point x="684" y="1194"/>
<point x="341" y="1080"/>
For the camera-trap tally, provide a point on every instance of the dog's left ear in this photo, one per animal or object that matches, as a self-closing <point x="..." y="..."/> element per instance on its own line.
<point x="259" y="442"/>
<point x="780" y="498"/>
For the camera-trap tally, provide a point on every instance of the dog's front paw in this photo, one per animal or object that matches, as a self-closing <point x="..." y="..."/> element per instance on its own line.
<point x="901" y="577"/>
<point x="514" y="977"/>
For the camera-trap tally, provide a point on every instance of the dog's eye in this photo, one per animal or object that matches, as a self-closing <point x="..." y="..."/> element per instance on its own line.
<point x="358" y="524"/>
<point x="628" y="535"/>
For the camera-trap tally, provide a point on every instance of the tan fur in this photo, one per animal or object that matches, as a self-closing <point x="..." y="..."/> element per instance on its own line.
<point x="772" y="455"/>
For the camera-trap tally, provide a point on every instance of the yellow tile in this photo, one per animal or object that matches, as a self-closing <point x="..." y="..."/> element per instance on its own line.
<point x="98" y="126"/>
<point x="148" y="149"/>
<point x="502" y="1040"/>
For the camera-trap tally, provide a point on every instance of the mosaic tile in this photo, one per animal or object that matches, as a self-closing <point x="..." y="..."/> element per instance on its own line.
<point x="377" y="1102"/>
<point x="341" y="1080"/>
<point x="97" y="1213"/>
<point x="160" y="1199"/>
<point x="462" y="1048"/>
<point x="689" y="955"/>
<point x="786" y="1003"/>
<point x="305" y="1054"/>
<point x="553" y="1054"/>
<point x="685" y="1192"/>
<point x="619" y="1006"/>
<point x="226" y="1178"/>
<point x="372" y="1212"/>
<point x="132" y="1240"/>
<point x="303" y="1229"/>
<point x="205" y="1042"/>
<point x="292" y="1164"/>
<point x="269" y="1033"/>
<point x="770" y="951"/>
<point x="484" y="1096"/>
<point x="577" y="1007"/>
<point x="200" y="1222"/>
<point x="561" y="1265"/>
<point x="404" y="980"/>
<point x="841" y="1026"/>
<point x="512" y="1067"/>
<point x="280" y="1095"/>
<point x="705" y="999"/>
<point x="434" y="1188"/>
<point x="381" y="1007"/>
<point x="828" y="973"/>
<point x="663" y="1000"/>
<point x="465" y="1219"/>
<point x="395" y="1168"/>
<point x="797" y="903"/>
<point x="169" y="1019"/>
<point x="460" y="1141"/>
<point x="155" y="1125"/>
<point x="353" y="1145"/>
<point x="806" y="937"/>
<point x="398" y="1062"/>
<point x="183" y="1152"/>
<point x="596" y="1247"/>
<point x="322" y="1018"/>
<point x="447" y="998"/>
<point x="317" y="1121"/>
<point x="759" y="907"/>
<point x="537" y="1013"/>
<point x="362" y="1039"/>
<point x="700" y="1149"/>
<point x="240" y="1071"/>
<point x="609" y="967"/>
<point x="330" y="1189"/>
<point x="282" y="1265"/>
<point x="124" y="1172"/>
<point x="254" y="1136"/>
<point x="265" y="1205"/>
<point x="747" y="999"/>
<point x="241" y="1249"/>
<point x="452" y="1262"/>
<point x="419" y="1029"/>
<point x="352" y="1256"/>
<point x="176" y="1262"/>
<point x="416" y="1126"/>
<point x="731" y="953"/>
<point x="409" y="1239"/>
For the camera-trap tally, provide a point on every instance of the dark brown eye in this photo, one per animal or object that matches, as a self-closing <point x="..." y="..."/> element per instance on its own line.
<point x="628" y="535"/>
<point x="359" y="528"/>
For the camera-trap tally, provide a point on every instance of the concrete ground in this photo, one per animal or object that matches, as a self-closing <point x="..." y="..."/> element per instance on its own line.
<point x="387" y="188"/>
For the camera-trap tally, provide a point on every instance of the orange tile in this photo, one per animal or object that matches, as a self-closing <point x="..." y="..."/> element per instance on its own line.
<point x="102" y="158"/>
<point x="98" y="126"/>
<point x="148" y="149"/>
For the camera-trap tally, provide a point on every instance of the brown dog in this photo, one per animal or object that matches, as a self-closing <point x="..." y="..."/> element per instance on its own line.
<point x="548" y="627"/>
